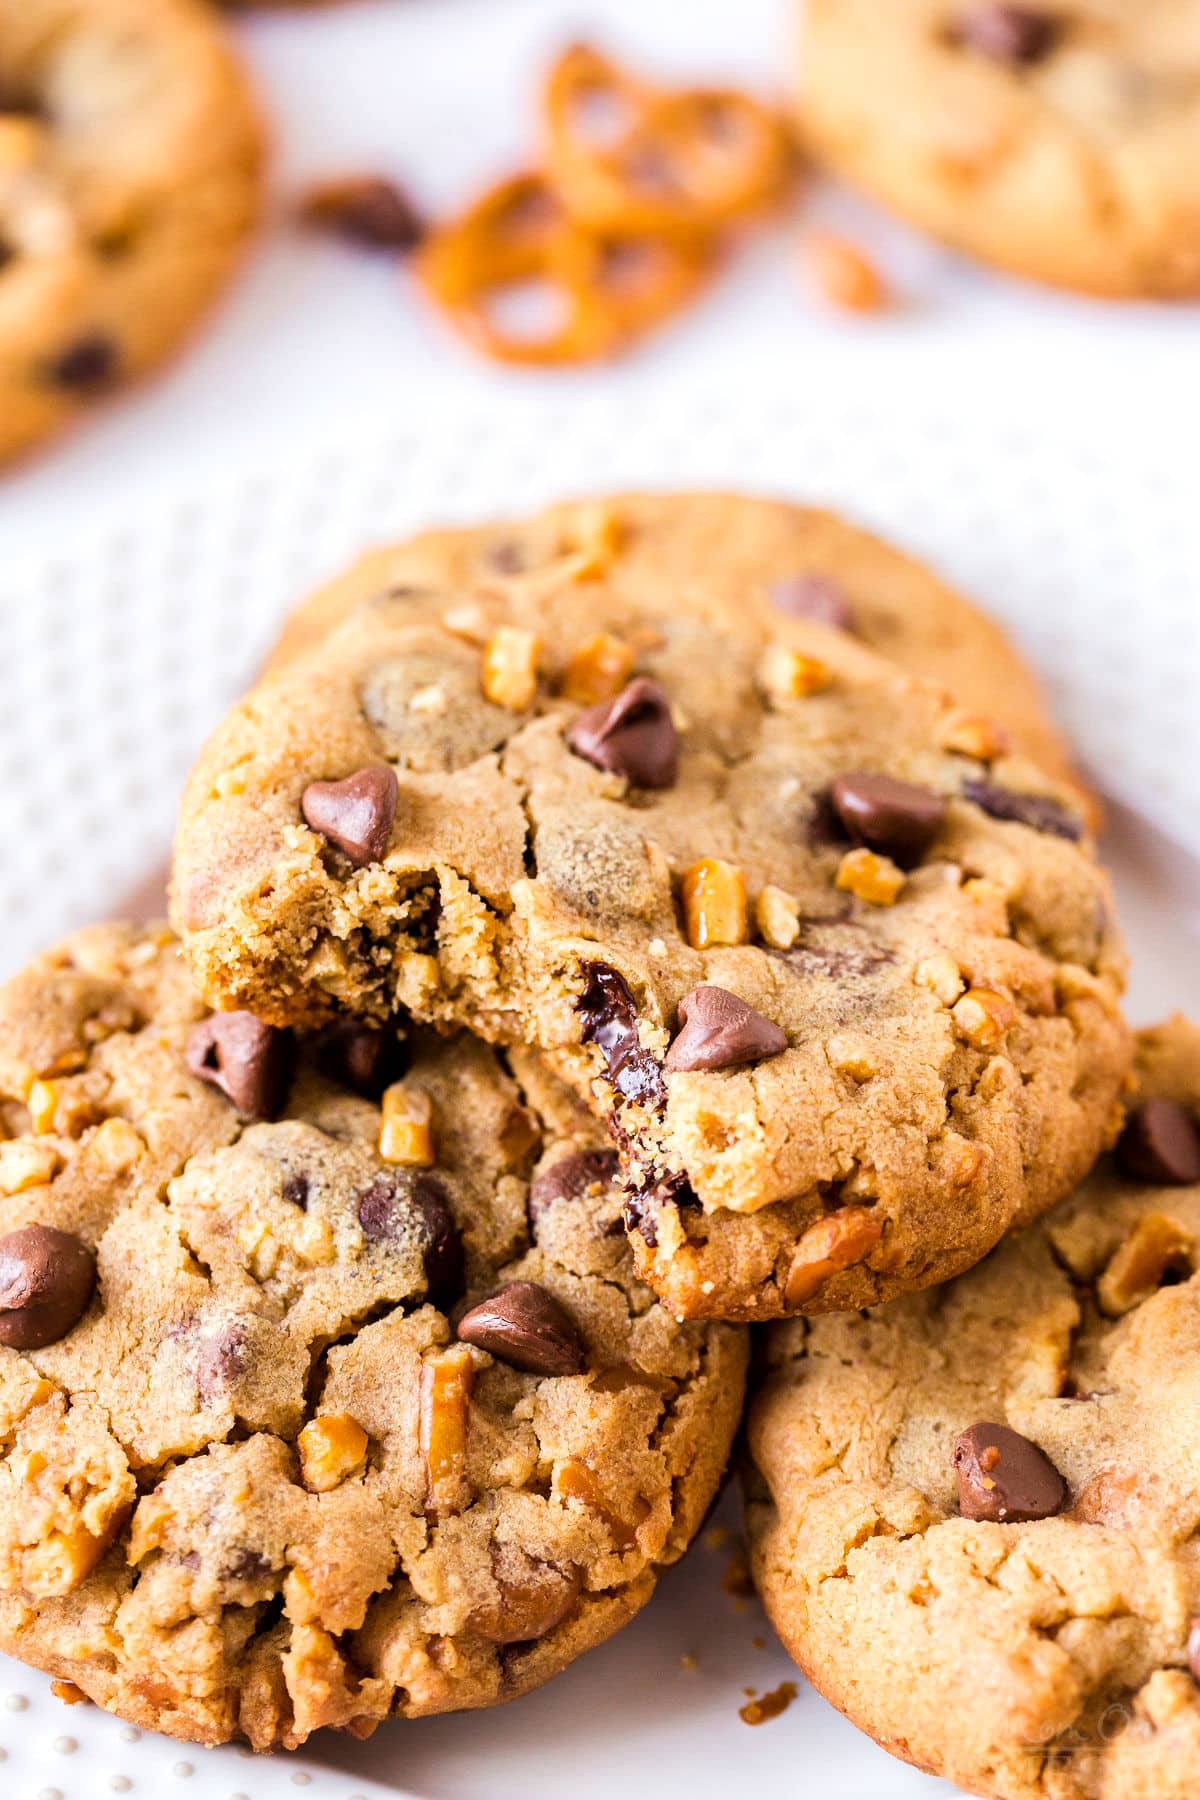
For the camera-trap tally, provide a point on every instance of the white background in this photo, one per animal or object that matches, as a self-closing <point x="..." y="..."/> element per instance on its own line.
<point x="317" y="338"/>
<point x="1040" y="449"/>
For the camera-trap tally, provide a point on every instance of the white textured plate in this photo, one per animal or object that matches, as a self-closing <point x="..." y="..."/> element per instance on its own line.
<point x="120" y="654"/>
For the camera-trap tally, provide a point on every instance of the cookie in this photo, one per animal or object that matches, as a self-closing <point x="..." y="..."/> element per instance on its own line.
<point x="130" y="154"/>
<point x="846" y="977"/>
<point x="1059" y="141"/>
<point x="328" y="1392"/>
<point x="974" y="1515"/>
<point x="737" y="556"/>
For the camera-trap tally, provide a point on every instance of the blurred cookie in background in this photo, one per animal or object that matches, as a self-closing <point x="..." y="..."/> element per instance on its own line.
<point x="130" y="162"/>
<point x="1060" y="141"/>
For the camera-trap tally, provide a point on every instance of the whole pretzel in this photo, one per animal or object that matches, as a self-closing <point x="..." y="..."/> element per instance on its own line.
<point x="610" y="286"/>
<point x="664" y="161"/>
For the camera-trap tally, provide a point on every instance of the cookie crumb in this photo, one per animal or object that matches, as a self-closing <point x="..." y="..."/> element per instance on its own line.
<point x="688" y="1663"/>
<point x="717" y="1537"/>
<point x="68" y="1693"/>
<point x="844" y="275"/>
<point x="736" y="1579"/>
<point x="767" y="1706"/>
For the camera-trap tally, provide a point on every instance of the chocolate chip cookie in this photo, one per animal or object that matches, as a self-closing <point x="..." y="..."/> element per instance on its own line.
<point x="129" y="181"/>
<point x="1059" y="140"/>
<point x="735" y="556"/>
<point x="327" y="1389"/>
<point x="843" y="974"/>
<point x="975" y="1514"/>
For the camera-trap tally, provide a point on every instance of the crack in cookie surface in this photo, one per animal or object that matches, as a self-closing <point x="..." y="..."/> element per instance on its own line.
<point x="1071" y="1631"/>
<point x="261" y="1487"/>
<point x="949" y="1001"/>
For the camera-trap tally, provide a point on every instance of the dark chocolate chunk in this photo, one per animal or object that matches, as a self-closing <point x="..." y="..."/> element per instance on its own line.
<point x="250" y="1062"/>
<point x="356" y="814"/>
<point x="1038" y="811"/>
<point x="366" y="1058"/>
<point x="719" y="1031"/>
<point x="1005" y="1478"/>
<point x="46" y="1280"/>
<point x="1161" y="1144"/>
<point x="610" y="1022"/>
<point x="368" y="210"/>
<point x="525" y="1326"/>
<point x="633" y="735"/>
<point x="895" y="818"/>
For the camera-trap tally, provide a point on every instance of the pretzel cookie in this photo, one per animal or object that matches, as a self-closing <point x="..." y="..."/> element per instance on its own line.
<point x="129" y="181"/>
<point x="327" y="1389"/>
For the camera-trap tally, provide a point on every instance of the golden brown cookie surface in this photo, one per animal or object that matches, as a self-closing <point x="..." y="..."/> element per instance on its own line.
<point x="351" y="1411"/>
<point x="739" y="557"/>
<point x="1024" y="1623"/>
<point x="594" y="819"/>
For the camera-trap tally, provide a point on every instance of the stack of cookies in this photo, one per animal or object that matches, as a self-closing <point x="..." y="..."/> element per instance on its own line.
<point x="594" y="937"/>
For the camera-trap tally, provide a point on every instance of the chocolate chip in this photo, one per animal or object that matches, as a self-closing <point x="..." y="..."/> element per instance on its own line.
<point x="362" y="1057"/>
<point x="246" y="1565"/>
<point x="642" y="1205"/>
<point x="220" y="1359"/>
<point x="86" y="365"/>
<point x="444" y="1260"/>
<point x="1037" y="811"/>
<point x="1193" y="1650"/>
<point x="816" y="597"/>
<point x="383" y="1212"/>
<point x="527" y="1328"/>
<point x="610" y="1022"/>
<point x="570" y="1178"/>
<point x="719" y="1031"/>
<point x="46" y="1280"/>
<point x="367" y="209"/>
<point x="893" y="817"/>
<point x="633" y="735"/>
<point x="296" y="1190"/>
<point x="1009" y="34"/>
<point x="1161" y="1143"/>
<point x="250" y="1062"/>
<point x="356" y="814"/>
<point x="508" y="557"/>
<point x="1005" y="1478"/>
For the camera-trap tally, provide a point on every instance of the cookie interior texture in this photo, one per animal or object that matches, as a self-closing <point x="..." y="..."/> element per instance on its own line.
<point x="263" y="1485"/>
<point x="738" y="556"/>
<point x="1041" y="1658"/>
<point x="1059" y="141"/>
<point x="130" y="153"/>
<point x="954" y="1043"/>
